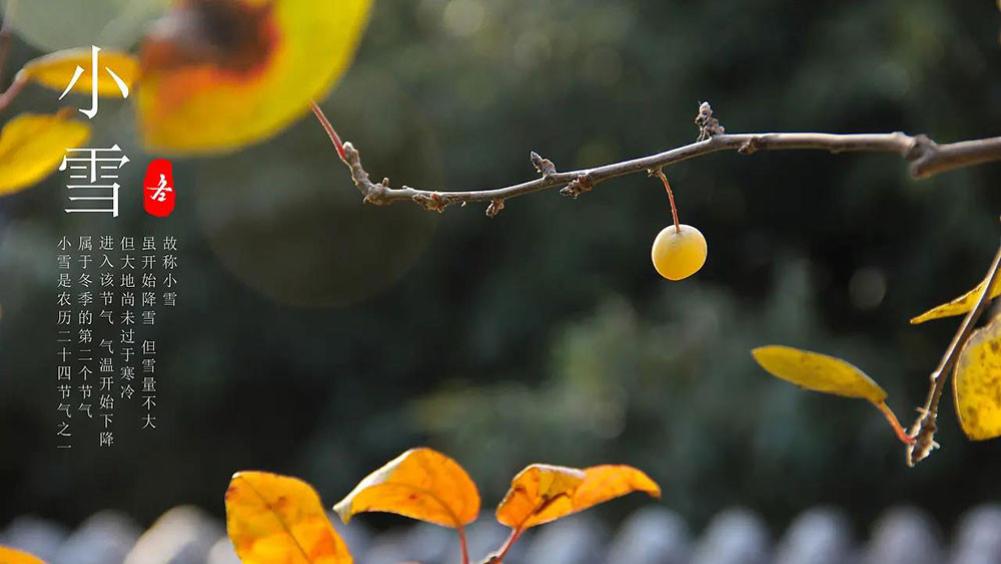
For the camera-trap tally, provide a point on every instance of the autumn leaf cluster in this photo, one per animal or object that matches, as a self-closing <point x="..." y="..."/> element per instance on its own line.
<point x="274" y="518"/>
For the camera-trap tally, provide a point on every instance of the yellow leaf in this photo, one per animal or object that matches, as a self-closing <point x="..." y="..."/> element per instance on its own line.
<point x="56" y="70"/>
<point x="822" y="373"/>
<point x="542" y="493"/>
<point x="977" y="383"/>
<point x="959" y="306"/>
<point x="33" y="145"/>
<point x="818" y="372"/>
<point x="422" y="484"/>
<point x="201" y="93"/>
<point x="607" y="482"/>
<point x="273" y="518"/>
<point x="12" y="556"/>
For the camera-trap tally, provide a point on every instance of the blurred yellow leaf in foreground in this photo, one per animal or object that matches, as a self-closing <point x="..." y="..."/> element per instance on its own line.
<point x="33" y="145"/>
<point x="272" y="518"/>
<point x="422" y="484"/>
<point x="977" y="383"/>
<point x="12" y="556"/>
<point x="56" y="70"/>
<point x="542" y="493"/>
<point x="209" y="88"/>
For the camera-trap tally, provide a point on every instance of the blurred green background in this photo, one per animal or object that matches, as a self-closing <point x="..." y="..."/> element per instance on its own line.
<point x="319" y="337"/>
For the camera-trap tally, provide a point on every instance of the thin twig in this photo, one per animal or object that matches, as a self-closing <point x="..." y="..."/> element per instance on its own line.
<point x="12" y="91"/>
<point x="5" y="36"/>
<point x="926" y="157"/>
<point x="925" y="426"/>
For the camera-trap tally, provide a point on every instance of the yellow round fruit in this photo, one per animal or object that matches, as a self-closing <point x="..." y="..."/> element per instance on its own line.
<point x="678" y="253"/>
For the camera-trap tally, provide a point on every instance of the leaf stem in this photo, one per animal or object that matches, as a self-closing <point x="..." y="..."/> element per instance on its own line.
<point x="463" y="544"/>
<point x="329" y="128"/>
<point x="895" y="423"/>
<point x="513" y="538"/>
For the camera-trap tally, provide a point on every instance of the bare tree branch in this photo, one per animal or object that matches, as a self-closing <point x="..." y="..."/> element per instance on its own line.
<point x="925" y="426"/>
<point x="926" y="157"/>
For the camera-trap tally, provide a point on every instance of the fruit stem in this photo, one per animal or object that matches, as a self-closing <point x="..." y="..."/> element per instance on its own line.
<point x="670" y="196"/>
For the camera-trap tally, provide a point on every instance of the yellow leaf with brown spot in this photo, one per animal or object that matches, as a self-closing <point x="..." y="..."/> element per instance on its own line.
<point x="223" y="74"/>
<point x="422" y="484"/>
<point x="33" y="145"/>
<point x="959" y="306"/>
<point x="818" y="372"/>
<point x="56" y="70"/>
<point x="12" y="556"/>
<point x="273" y="518"/>
<point x="976" y="383"/>
<point x="542" y="493"/>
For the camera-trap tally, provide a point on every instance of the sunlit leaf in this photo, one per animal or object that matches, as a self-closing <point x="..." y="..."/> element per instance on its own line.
<point x="33" y="145"/>
<point x="818" y="372"/>
<point x="421" y="484"/>
<point x="202" y="93"/>
<point x="542" y="493"/>
<point x="273" y="518"/>
<point x="822" y="373"/>
<point x="977" y="383"/>
<point x="607" y="482"/>
<point x="959" y="306"/>
<point x="12" y="556"/>
<point x="56" y="70"/>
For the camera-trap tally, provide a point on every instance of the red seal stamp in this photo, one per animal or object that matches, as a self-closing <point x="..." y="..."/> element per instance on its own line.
<point x="158" y="192"/>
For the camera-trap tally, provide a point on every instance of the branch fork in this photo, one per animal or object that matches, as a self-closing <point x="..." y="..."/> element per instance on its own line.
<point x="924" y="428"/>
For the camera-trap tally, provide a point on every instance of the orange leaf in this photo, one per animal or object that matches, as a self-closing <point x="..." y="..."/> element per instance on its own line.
<point x="273" y="518"/>
<point x="12" y="556"/>
<point x="56" y="70"/>
<point x="422" y="484"/>
<point x="607" y="482"/>
<point x="542" y="493"/>
<point x="33" y="145"/>
<point x="217" y="88"/>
